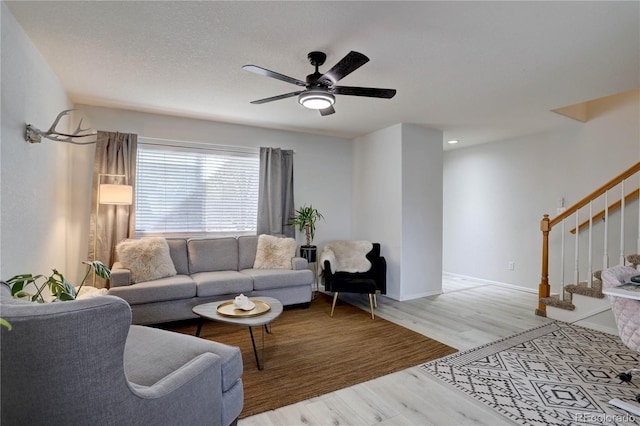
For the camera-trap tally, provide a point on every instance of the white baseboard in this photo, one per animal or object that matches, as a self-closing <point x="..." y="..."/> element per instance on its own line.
<point x="490" y="282"/>
<point x="418" y="295"/>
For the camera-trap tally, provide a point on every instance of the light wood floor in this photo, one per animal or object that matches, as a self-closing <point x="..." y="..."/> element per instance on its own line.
<point x="466" y="315"/>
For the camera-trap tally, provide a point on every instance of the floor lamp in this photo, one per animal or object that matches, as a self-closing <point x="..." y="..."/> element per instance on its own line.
<point x="113" y="194"/>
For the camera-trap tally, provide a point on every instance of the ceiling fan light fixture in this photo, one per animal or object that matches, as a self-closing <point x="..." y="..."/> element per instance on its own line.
<point x="316" y="99"/>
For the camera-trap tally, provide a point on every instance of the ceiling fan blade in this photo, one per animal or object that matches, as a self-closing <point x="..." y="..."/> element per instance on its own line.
<point x="327" y="111"/>
<point x="276" y="98"/>
<point x="267" y="73"/>
<point x="344" y="67"/>
<point x="370" y="92"/>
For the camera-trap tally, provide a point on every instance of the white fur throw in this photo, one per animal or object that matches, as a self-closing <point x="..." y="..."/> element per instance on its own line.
<point x="147" y="259"/>
<point x="347" y="255"/>
<point x="274" y="252"/>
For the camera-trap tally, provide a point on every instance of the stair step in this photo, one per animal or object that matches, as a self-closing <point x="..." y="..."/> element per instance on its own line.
<point x="584" y="307"/>
<point x="585" y="290"/>
<point x="555" y="301"/>
<point x="582" y="288"/>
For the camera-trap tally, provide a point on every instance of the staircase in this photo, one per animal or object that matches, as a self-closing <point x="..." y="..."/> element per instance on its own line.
<point x="578" y="303"/>
<point x="574" y="302"/>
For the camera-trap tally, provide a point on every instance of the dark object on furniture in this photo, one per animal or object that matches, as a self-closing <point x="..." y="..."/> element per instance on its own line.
<point x="309" y="253"/>
<point x="371" y="282"/>
<point x="81" y="362"/>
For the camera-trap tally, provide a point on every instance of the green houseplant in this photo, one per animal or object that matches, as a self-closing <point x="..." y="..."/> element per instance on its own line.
<point x="60" y="288"/>
<point x="5" y="323"/>
<point x="305" y="220"/>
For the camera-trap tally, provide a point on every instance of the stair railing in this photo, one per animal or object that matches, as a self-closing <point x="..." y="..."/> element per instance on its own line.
<point x="547" y="224"/>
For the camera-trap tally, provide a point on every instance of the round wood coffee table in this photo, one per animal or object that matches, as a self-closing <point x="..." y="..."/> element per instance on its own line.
<point x="249" y="319"/>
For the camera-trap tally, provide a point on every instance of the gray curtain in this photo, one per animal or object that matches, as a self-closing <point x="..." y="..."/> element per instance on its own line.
<point x="275" y="198"/>
<point x="115" y="154"/>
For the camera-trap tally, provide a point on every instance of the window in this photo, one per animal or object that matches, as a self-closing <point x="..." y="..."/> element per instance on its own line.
<point x="195" y="189"/>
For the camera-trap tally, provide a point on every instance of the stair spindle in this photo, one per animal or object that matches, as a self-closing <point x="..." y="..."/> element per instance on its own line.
<point x="622" y="204"/>
<point x="590" y="262"/>
<point x="576" y="260"/>
<point x="605" y="256"/>
<point x="562" y="249"/>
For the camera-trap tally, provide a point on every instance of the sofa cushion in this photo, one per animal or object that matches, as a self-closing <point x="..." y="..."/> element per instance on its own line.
<point x="171" y="288"/>
<point x="147" y="259"/>
<point x="213" y="254"/>
<point x="178" y="251"/>
<point x="222" y="282"/>
<point x="247" y="246"/>
<point x="265" y="279"/>
<point x="274" y="252"/>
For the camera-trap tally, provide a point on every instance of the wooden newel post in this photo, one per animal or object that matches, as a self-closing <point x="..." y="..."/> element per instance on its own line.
<point x="544" y="290"/>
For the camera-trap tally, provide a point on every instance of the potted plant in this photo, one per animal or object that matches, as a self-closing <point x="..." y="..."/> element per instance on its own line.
<point x="59" y="287"/>
<point x="305" y="220"/>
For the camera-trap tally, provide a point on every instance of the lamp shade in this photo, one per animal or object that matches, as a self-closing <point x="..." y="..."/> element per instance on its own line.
<point x="115" y="194"/>
<point x="316" y="99"/>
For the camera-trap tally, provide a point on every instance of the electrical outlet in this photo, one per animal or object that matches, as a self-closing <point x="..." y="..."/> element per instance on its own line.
<point x="511" y="266"/>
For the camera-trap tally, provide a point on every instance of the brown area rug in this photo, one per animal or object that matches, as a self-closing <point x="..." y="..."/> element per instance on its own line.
<point x="309" y="353"/>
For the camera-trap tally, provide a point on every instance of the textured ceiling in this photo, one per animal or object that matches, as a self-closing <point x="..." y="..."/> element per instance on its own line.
<point x="478" y="71"/>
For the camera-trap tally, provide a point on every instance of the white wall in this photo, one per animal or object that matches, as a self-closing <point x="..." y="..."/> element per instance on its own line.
<point x="377" y="197"/>
<point x="421" y="212"/>
<point x="496" y="194"/>
<point x="322" y="165"/>
<point x="398" y="203"/>
<point x="34" y="178"/>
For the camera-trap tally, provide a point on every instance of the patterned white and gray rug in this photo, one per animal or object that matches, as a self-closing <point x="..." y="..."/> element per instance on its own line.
<point x="555" y="374"/>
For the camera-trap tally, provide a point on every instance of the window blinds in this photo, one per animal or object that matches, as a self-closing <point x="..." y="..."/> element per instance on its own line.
<point x="182" y="190"/>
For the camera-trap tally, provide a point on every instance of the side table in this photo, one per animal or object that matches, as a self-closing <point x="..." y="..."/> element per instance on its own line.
<point x="311" y="254"/>
<point x="210" y="311"/>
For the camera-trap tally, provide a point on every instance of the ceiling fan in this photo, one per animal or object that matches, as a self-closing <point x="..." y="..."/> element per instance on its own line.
<point x="320" y="88"/>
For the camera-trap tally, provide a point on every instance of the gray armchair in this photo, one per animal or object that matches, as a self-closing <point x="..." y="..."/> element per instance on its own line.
<point x="82" y="362"/>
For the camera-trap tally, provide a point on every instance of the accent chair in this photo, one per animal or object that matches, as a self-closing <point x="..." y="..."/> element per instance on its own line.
<point x="354" y="267"/>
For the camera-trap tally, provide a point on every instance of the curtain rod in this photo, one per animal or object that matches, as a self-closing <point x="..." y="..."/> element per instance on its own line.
<point x="208" y="145"/>
<point x="196" y="144"/>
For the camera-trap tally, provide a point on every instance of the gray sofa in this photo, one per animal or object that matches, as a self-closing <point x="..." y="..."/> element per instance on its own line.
<point x="208" y="270"/>
<point x="82" y="363"/>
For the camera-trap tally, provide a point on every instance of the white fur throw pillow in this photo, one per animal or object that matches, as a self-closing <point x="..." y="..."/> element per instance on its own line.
<point x="274" y="252"/>
<point x="347" y="255"/>
<point x="147" y="259"/>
